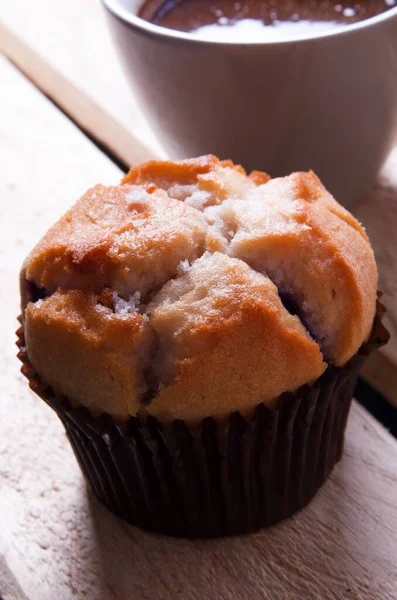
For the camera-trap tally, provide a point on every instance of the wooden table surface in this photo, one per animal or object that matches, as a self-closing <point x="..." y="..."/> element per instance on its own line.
<point x="56" y="541"/>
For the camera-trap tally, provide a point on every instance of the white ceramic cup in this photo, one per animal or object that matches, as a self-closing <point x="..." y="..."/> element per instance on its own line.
<point x="326" y="102"/>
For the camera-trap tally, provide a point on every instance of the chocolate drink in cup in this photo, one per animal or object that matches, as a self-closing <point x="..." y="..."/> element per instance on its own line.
<point x="259" y="19"/>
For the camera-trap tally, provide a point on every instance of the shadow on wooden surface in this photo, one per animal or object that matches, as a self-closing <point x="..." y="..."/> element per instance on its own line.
<point x="378" y="213"/>
<point x="379" y="408"/>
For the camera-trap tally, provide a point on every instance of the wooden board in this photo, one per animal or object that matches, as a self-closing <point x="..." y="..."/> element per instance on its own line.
<point x="68" y="52"/>
<point x="378" y="211"/>
<point x="56" y="541"/>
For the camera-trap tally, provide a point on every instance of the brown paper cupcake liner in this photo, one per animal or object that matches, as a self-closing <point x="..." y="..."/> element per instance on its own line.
<point x="218" y="479"/>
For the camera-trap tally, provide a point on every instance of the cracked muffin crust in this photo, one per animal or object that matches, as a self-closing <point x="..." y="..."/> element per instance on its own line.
<point x="193" y="289"/>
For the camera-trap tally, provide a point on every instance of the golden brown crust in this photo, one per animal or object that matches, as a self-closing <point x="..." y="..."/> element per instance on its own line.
<point x="317" y="254"/>
<point x="309" y="187"/>
<point x="88" y="353"/>
<point x="259" y="177"/>
<point x="200" y="182"/>
<point x="135" y="314"/>
<point x="163" y="173"/>
<point x="232" y="343"/>
<point x="120" y="237"/>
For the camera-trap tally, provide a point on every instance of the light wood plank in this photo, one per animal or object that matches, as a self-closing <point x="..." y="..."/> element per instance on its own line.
<point x="69" y="53"/>
<point x="9" y="587"/>
<point x="56" y="541"/>
<point x="46" y="163"/>
<point x="378" y="212"/>
<point x="380" y="373"/>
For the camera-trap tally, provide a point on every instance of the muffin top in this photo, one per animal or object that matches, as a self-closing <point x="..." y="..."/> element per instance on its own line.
<point x="193" y="289"/>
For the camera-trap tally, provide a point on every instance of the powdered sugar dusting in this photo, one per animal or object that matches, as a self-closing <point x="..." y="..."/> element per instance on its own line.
<point x="39" y="302"/>
<point x="137" y="196"/>
<point x="102" y="309"/>
<point x="198" y="199"/>
<point x="125" y="307"/>
<point x="183" y="267"/>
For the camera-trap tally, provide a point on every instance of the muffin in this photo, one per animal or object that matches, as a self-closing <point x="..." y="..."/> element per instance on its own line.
<point x="199" y="331"/>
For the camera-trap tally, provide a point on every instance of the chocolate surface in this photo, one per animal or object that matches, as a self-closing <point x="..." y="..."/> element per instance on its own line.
<point x="228" y="19"/>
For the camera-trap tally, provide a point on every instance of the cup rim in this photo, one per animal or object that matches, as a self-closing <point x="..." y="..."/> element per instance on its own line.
<point x="117" y="10"/>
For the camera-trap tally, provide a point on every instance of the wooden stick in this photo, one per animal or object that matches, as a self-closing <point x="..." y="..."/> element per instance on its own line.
<point x="82" y="109"/>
